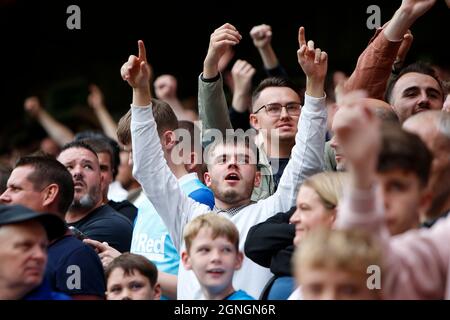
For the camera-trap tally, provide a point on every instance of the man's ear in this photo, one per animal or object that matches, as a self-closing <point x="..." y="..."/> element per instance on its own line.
<point x="158" y="291"/>
<point x="426" y="198"/>
<point x="239" y="259"/>
<point x="169" y="140"/>
<point x="257" y="180"/>
<point x="254" y="121"/>
<point x="50" y="194"/>
<point x="207" y="179"/>
<point x="186" y="260"/>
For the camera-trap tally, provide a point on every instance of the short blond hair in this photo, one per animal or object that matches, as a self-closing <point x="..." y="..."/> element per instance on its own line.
<point x="347" y="250"/>
<point x="329" y="186"/>
<point x="220" y="227"/>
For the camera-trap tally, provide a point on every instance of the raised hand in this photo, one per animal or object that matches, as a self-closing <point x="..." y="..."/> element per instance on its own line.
<point x="416" y="8"/>
<point x="312" y="60"/>
<point x="220" y="41"/>
<point x="95" y="97"/>
<point x="136" y="71"/>
<point x="242" y="73"/>
<point x="314" y="64"/>
<point x="33" y="106"/>
<point x="261" y="35"/>
<point x="105" y="252"/>
<point x="357" y="131"/>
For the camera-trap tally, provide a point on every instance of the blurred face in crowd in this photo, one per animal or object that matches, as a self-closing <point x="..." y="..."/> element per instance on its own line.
<point x="404" y="199"/>
<point x="20" y="190"/>
<point x="440" y="148"/>
<point x="23" y="257"/>
<point x="213" y="261"/>
<point x="310" y="213"/>
<point x="106" y="171"/>
<point x="277" y="126"/>
<point x="232" y="174"/>
<point x="84" y="167"/>
<point x="330" y="283"/>
<point x="134" y="286"/>
<point x="415" y="92"/>
<point x="125" y="170"/>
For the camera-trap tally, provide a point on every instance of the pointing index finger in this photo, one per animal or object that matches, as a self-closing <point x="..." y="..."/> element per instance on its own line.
<point x="301" y="36"/>
<point x="142" y="51"/>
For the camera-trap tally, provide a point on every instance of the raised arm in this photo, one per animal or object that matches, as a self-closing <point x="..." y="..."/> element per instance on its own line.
<point x="242" y="73"/>
<point x="375" y="64"/>
<point x="262" y="40"/>
<point x="97" y="103"/>
<point x="212" y="105"/>
<point x="55" y="129"/>
<point x="416" y="262"/>
<point x="307" y="154"/>
<point x="150" y="168"/>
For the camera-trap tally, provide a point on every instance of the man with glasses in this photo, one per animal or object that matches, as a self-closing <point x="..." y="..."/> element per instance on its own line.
<point x="276" y="108"/>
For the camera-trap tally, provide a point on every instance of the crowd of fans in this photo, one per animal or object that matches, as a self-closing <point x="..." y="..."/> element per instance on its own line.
<point x="332" y="191"/>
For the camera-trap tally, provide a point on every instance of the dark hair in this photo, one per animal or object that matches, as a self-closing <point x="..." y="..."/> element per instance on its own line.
<point x="113" y="150"/>
<point x="418" y="67"/>
<point x="193" y="130"/>
<point x="5" y="172"/>
<point x="164" y="116"/>
<point x="406" y="151"/>
<point x="48" y="170"/>
<point x="78" y="144"/>
<point x="130" y="262"/>
<point x="273" y="82"/>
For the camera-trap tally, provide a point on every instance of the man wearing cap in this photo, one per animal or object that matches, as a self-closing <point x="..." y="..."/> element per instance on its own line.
<point x="24" y="235"/>
<point x="43" y="184"/>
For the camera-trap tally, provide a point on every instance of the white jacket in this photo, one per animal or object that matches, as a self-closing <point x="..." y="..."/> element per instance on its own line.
<point x="176" y="209"/>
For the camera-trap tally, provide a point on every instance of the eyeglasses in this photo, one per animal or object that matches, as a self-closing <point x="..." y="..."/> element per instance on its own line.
<point x="274" y="109"/>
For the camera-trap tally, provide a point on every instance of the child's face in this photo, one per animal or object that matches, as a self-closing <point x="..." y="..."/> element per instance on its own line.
<point x="134" y="286"/>
<point x="213" y="261"/>
<point x="333" y="284"/>
<point x="310" y="213"/>
<point x="404" y="199"/>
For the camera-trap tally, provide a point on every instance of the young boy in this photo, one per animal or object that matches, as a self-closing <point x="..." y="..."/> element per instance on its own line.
<point x="336" y="265"/>
<point x="132" y="277"/>
<point x="212" y="252"/>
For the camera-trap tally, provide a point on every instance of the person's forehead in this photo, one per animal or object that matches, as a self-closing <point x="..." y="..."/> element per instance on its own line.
<point x="20" y="174"/>
<point x="22" y="231"/>
<point x="77" y="154"/>
<point x="231" y="149"/>
<point x="277" y="95"/>
<point x="415" y="79"/>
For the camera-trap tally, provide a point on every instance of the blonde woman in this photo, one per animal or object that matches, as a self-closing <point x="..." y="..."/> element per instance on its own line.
<point x="272" y="243"/>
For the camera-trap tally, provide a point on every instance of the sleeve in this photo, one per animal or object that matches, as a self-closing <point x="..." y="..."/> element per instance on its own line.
<point x="278" y="72"/>
<point x="267" y="238"/>
<point x="212" y="106"/>
<point x="82" y="274"/>
<point x="203" y="195"/>
<point x="415" y="263"/>
<point x="158" y="182"/>
<point x="239" y="120"/>
<point x="374" y="66"/>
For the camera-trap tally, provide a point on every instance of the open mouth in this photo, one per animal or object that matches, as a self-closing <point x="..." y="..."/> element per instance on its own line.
<point x="232" y="177"/>
<point x="216" y="271"/>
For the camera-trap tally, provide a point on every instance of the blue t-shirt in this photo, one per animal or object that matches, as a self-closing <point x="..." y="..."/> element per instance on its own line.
<point x="151" y="238"/>
<point x="44" y="292"/>
<point x="75" y="268"/>
<point x="239" y="295"/>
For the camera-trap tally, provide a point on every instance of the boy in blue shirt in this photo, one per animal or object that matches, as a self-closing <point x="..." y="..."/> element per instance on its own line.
<point x="212" y="252"/>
